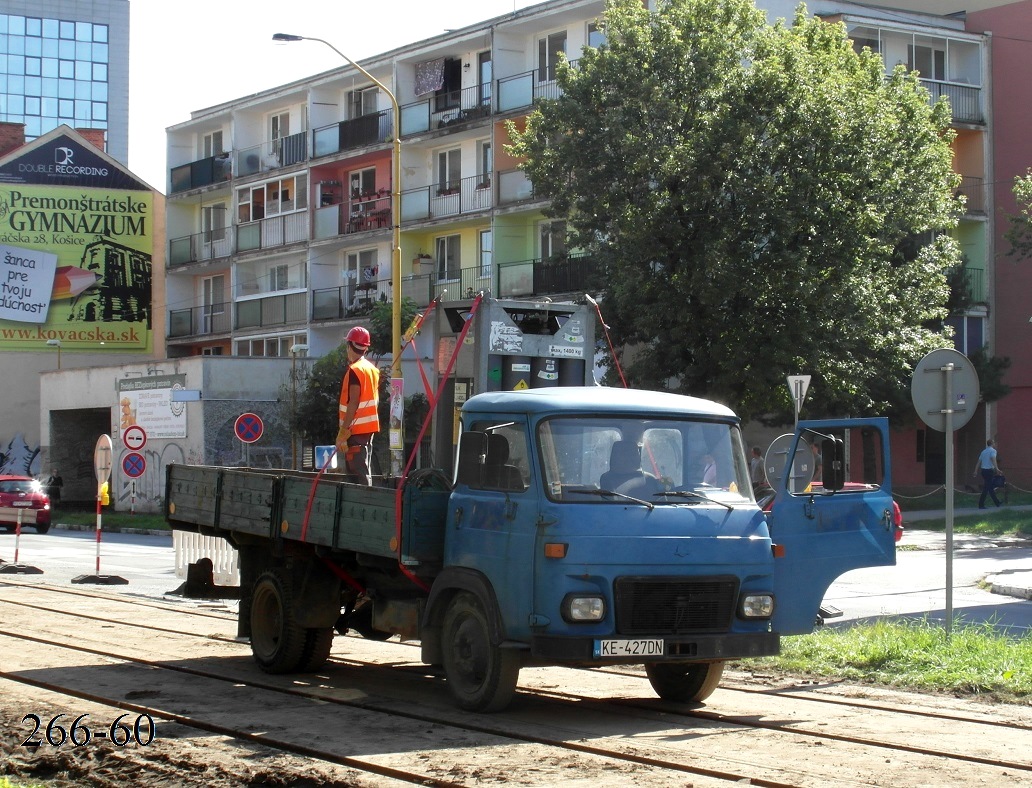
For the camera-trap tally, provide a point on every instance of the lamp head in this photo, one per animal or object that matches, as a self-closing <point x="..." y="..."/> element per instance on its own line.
<point x="54" y="342"/>
<point x="294" y="349"/>
<point x="284" y="37"/>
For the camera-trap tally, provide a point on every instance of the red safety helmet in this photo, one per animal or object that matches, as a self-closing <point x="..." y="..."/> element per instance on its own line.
<point x="359" y="337"/>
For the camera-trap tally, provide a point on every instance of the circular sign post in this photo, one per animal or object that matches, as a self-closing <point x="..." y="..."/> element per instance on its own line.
<point x="134" y="437"/>
<point x="945" y="393"/>
<point x="133" y="465"/>
<point x="248" y="427"/>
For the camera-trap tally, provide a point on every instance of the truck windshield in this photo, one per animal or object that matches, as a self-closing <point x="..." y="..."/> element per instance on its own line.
<point x="648" y="459"/>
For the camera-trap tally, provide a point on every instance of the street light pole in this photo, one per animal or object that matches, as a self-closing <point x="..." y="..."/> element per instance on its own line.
<point x="56" y="343"/>
<point x="397" y="438"/>
<point x="294" y="350"/>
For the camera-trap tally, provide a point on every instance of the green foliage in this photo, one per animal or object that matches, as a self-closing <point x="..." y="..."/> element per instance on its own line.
<point x="975" y="660"/>
<point x="990" y="371"/>
<point x="753" y="194"/>
<point x="1019" y="235"/>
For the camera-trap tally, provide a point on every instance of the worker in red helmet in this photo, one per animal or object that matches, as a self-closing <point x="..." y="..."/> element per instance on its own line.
<point x="359" y="403"/>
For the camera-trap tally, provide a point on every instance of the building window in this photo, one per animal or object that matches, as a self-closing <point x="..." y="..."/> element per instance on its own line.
<point x="363" y="102"/>
<point x="213" y="145"/>
<point x="486" y="77"/>
<point x="486" y="253"/>
<point x="929" y="61"/>
<point x="449" y="171"/>
<point x="596" y="37"/>
<point x="552" y="237"/>
<point x="279" y="278"/>
<point x="213" y="222"/>
<point x="968" y="333"/>
<point x="449" y="257"/>
<point x="549" y="50"/>
<point x="363" y="183"/>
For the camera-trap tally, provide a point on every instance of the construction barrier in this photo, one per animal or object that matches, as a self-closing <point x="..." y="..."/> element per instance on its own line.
<point x="191" y="548"/>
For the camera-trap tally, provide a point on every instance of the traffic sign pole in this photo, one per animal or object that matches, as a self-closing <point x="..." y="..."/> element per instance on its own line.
<point x="102" y="468"/>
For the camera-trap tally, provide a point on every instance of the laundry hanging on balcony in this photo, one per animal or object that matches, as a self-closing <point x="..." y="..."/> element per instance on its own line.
<point x="429" y="76"/>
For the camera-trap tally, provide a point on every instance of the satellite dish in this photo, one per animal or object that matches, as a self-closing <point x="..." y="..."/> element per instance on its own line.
<point x="776" y="460"/>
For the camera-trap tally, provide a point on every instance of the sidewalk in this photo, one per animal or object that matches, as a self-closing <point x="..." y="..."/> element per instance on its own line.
<point x="1017" y="584"/>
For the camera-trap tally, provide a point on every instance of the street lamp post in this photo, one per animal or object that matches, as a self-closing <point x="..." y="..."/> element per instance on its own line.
<point x="56" y="343"/>
<point x="397" y="438"/>
<point x="294" y="350"/>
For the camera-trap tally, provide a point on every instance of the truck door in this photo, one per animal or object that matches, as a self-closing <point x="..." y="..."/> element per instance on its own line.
<point x="819" y="532"/>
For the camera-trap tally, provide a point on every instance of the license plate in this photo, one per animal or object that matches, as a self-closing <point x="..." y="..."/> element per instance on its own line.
<point x="652" y="647"/>
<point x="22" y="503"/>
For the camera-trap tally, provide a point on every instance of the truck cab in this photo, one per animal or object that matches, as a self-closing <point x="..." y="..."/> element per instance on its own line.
<point x="595" y="526"/>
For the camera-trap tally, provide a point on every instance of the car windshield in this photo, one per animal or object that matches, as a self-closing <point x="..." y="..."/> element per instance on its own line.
<point x="661" y="461"/>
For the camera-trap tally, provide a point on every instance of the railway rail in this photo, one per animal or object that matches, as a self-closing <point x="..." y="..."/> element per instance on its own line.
<point x="397" y="725"/>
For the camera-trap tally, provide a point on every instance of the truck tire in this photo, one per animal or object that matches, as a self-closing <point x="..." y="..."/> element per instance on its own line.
<point x="684" y="682"/>
<point x="318" y="641"/>
<point x="277" y="640"/>
<point x="481" y="676"/>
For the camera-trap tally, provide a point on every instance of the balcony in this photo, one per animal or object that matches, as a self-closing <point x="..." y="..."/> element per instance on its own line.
<point x="346" y="135"/>
<point x="203" y="172"/>
<point x="275" y="310"/>
<point x="199" y="321"/>
<point x="974" y="190"/>
<point x="453" y="108"/>
<point x="271" y="155"/>
<point x="353" y="216"/>
<point x="272" y="232"/>
<point x="450" y="198"/>
<point x="965" y="100"/>
<point x="973" y="281"/>
<point x="200" y="247"/>
<point x="574" y="273"/>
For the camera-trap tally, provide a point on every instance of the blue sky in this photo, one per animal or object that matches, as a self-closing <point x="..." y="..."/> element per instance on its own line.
<point x="195" y="54"/>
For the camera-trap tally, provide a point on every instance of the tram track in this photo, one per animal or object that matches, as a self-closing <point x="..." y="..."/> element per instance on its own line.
<point x="540" y="702"/>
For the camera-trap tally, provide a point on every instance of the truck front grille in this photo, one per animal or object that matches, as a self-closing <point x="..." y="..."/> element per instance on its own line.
<point x="674" y="605"/>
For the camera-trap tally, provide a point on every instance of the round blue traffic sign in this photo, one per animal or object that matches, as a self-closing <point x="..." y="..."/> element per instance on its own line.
<point x="248" y="427"/>
<point x="134" y="464"/>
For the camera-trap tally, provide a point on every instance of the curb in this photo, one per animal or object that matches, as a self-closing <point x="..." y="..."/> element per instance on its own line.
<point x="117" y="529"/>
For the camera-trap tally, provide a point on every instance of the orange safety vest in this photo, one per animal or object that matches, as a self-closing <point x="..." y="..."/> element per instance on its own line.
<point x="367" y="418"/>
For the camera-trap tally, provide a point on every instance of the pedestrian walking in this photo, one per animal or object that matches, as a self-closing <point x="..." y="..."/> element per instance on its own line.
<point x="988" y="467"/>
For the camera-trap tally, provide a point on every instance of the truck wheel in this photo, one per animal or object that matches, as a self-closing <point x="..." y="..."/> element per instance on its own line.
<point x="277" y="641"/>
<point x="481" y="676"/>
<point x="684" y="682"/>
<point x="318" y="641"/>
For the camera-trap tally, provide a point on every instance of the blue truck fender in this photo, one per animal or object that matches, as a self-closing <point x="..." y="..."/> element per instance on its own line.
<point x="452" y="581"/>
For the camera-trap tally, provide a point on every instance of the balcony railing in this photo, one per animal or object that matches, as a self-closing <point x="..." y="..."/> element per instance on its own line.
<point x="974" y="190"/>
<point x="563" y="274"/>
<point x="203" y="172"/>
<point x="514" y="187"/>
<point x="965" y="100"/>
<point x="353" y="216"/>
<point x="357" y="300"/>
<point x="452" y="108"/>
<point x="973" y="281"/>
<point x="199" y="321"/>
<point x="198" y="247"/>
<point x="368" y="129"/>
<point x="274" y="231"/>
<point x="272" y="154"/>
<point x="272" y="311"/>
<point x="450" y="198"/>
<point x="522" y="90"/>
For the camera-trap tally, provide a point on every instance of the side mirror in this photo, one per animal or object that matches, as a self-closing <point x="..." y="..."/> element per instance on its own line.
<point x="833" y="464"/>
<point x="472" y="454"/>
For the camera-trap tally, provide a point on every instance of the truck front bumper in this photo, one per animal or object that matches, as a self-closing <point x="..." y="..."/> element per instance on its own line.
<point x="681" y="648"/>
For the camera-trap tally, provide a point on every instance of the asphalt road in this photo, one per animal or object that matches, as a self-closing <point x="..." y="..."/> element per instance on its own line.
<point x="915" y="587"/>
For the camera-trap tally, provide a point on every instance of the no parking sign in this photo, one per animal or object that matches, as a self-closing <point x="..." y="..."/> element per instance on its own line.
<point x="134" y="464"/>
<point x="248" y="427"/>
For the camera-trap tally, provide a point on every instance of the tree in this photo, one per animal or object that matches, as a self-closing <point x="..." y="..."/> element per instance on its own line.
<point x="1019" y="235"/>
<point x="753" y="194"/>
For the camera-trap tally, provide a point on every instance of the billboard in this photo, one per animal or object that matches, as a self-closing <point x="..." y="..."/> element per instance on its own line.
<point x="76" y="244"/>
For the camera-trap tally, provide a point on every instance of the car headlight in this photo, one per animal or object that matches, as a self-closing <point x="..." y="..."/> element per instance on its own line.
<point x="756" y="606"/>
<point x="580" y="607"/>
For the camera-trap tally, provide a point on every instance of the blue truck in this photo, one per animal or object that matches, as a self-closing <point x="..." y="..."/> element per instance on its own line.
<point x="582" y="526"/>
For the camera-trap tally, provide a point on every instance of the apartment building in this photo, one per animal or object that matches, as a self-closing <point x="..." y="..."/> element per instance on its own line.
<point x="279" y="204"/>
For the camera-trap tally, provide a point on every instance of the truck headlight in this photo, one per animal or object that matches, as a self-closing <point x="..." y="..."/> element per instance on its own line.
<point x="756" y="606"/>
<point x="578" y="607"/>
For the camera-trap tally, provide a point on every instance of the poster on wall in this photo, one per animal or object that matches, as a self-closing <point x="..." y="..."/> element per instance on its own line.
<point x="76" y="244"/>
<point x="147" y="402"/>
